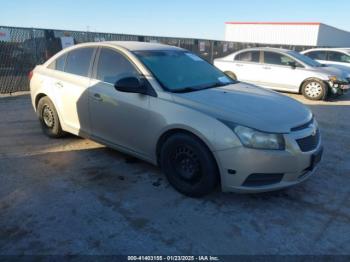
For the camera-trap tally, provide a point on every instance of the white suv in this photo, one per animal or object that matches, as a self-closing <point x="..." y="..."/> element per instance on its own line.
<point x="284" y="70"/>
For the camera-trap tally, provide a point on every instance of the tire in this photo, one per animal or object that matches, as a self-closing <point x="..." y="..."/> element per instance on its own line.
<point x="48" y="118"/>
<point x="314" y="89"/>
<point x="231" y="75"/>
<point x="189" y="165"/>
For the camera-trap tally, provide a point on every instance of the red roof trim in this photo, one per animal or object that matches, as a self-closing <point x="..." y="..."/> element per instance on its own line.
<point x="273" y="23"/>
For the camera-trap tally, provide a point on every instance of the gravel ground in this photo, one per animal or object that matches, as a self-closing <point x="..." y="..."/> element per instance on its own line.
<point x="74" y="196"/>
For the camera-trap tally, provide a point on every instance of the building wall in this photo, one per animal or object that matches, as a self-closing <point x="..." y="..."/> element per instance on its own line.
<point x="273" y="33"/>
<point x="333" y="37"/>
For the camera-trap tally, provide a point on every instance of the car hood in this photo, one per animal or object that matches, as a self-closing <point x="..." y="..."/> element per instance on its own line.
<point x="343" y="68"/>
<point x="332" y="70"/>
<point x="248" y="105"/>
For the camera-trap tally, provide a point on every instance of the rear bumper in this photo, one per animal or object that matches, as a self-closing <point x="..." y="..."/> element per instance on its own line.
<point x="250" y="170"/>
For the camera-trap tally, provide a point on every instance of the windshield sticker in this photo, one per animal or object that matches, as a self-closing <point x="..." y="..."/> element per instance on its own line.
<point x="194" y="57"/>
<point x="224" y="79"/>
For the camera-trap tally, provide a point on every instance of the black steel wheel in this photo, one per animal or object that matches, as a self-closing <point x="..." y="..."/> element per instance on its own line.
<point x="189" y="165"/>
<point x="48" y="118"/>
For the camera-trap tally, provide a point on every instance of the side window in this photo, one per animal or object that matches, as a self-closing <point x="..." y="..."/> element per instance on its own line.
<point x="250" y="56"/>
<point x="112" y="66"/>
<point x="59" y="63"/>
<point x="345" y="58"/>
<point x="338" y="57"/>
<point x="278" y="59"/>
<point x="78" y="61"/>
<point x="317" y="55"/>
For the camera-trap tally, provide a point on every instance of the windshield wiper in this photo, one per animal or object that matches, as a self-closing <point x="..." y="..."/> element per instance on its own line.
<point x="217" y="84"/>
<point x="199" y="88"/>
<point x="185" y="90"/>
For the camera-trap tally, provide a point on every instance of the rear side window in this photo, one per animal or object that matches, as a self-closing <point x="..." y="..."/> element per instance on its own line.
<point x="59" y="63"/>
<point x="251" y="56"/>
<point x="78" y="61"/>
<point x="317" y="55"/>
<point x="112" y="66"/>
<point x="338" y="57"/>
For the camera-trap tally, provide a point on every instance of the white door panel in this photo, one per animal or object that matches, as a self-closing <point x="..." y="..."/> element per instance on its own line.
<point x="71" y="99"/>
<point x="282" y="77"/>
<point x="248" y="72"/>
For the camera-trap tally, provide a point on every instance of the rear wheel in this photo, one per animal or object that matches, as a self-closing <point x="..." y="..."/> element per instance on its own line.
<point x="314" y="89"/>
<point x="48" y="118"/>
<point x="231" y="75"/>
<point x="189" y="165"/>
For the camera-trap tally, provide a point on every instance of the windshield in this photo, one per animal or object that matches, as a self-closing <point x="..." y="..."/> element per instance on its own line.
<point x="304" y="59"/>
<point x="182" y="71"/>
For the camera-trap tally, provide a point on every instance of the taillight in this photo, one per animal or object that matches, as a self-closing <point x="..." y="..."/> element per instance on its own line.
<point x="30" y="75"/>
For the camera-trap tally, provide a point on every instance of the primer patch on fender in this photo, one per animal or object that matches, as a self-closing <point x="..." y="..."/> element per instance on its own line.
<point x="194" y="57"/>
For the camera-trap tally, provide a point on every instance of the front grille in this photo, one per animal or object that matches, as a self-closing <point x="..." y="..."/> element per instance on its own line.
<point x="262" y="179"/>
<point x="309" y="143"/>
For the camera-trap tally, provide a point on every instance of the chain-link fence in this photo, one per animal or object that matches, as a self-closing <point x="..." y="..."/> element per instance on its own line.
<point x="23" y="48"/>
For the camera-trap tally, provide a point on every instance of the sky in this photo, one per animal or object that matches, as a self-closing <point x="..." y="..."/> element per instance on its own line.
<point x="178" y="18"/>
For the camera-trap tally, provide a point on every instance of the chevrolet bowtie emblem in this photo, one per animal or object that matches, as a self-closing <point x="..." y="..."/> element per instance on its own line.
<point x="314" y="130"/>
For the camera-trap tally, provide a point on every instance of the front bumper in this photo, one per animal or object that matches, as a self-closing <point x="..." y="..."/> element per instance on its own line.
<point x="339" y="87"/>
<point x="252" y="170"/>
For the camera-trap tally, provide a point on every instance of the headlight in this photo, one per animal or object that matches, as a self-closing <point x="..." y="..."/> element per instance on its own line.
<point x="260" y="140"/>
<point x="333" y="78"/>
<point x="336" y="79"/>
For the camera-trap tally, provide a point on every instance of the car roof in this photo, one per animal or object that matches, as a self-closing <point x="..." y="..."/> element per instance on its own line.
<point x="282" y="50"/>
<point x="132" y="45"/>
<point x="342" y="49"/>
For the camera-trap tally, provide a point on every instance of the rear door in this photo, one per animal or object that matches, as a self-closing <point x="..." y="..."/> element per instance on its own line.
<point x="247" y="67"/>
<point x="71" y="83"/>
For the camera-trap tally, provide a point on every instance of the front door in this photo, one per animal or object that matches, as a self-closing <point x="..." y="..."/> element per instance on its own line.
<point x="117" y="117"/>
<point x="281" y="72"/>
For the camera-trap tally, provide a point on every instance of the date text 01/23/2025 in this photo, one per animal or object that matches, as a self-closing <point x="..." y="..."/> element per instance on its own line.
<point x="173" y="258"/>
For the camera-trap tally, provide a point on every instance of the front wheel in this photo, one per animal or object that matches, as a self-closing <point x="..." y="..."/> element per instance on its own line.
<point x="314" y="89"/>
<point x="189" y="165"/>
<point x="48" y="118"/>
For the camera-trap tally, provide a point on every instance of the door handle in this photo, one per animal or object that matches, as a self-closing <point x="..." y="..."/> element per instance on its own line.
<point x="97" y="97"/>
<point x="267" y="67"/>
<point x="239" y="65"/>
<point x="59" y="84"/>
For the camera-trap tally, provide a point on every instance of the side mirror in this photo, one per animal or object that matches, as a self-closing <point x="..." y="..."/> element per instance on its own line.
<point x="292" y="64"/>
<point x="131" y="85"/>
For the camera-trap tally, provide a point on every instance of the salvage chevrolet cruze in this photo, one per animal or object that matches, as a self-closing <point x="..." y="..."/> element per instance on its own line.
<point x="167" y="106"/>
